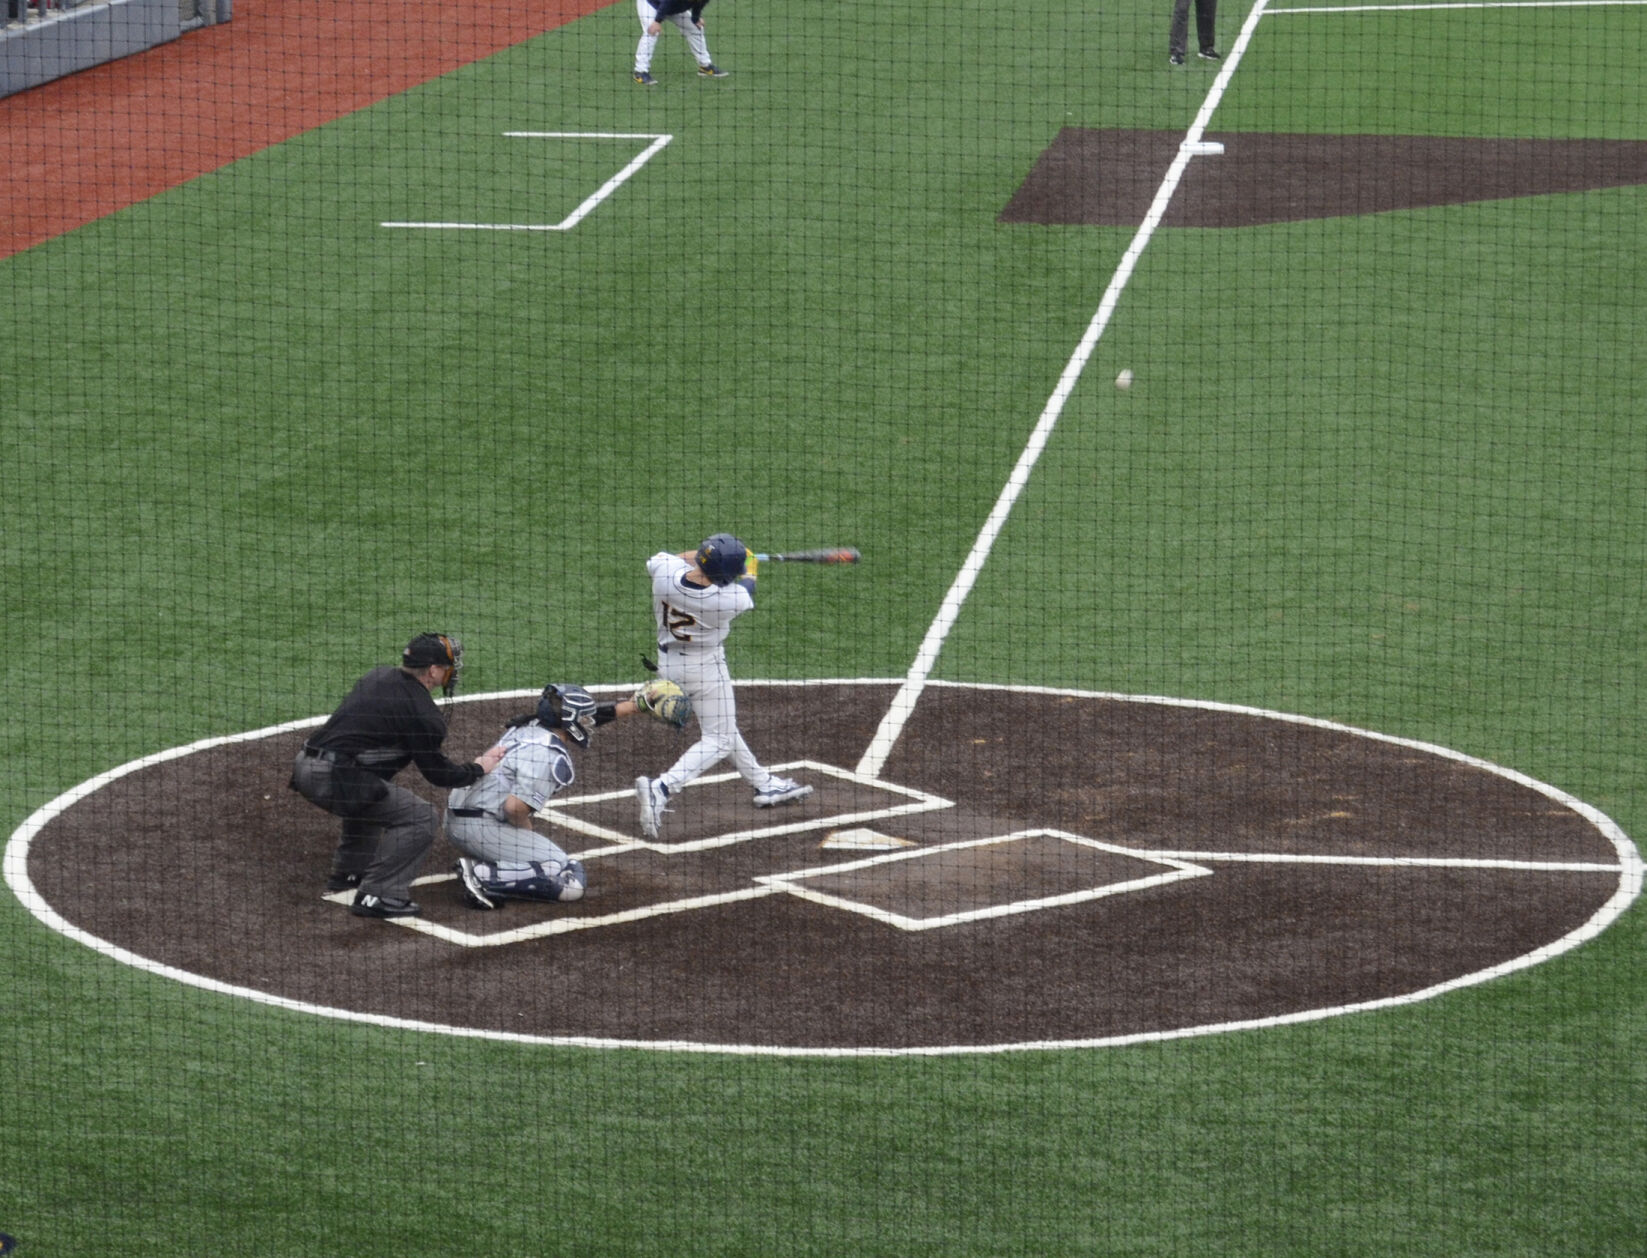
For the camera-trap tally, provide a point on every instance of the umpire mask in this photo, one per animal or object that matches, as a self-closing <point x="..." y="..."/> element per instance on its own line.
<point x="436" y="650"/>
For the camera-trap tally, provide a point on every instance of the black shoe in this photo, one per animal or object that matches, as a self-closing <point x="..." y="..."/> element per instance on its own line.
<point x="1175" y="58"/>
<point x="342" y="882"/>
<point x="1209" y="54"/>
<point x="369" y="905"/>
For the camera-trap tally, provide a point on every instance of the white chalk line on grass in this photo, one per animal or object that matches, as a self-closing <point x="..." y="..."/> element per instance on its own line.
<point x="589" y="203"/>
<point x="903" y="703"/>
<point x="1465" y="4"/>
<point x="949" y="611"/>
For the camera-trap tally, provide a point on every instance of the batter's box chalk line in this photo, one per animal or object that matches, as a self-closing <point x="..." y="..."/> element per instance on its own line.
<point x="562" y="812"/>
<point x="951" y="872"/>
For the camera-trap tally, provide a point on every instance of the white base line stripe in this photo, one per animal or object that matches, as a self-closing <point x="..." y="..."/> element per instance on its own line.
<point x="589" y="203"/>
<point x="903" y="704"/>
<point x="1466" y="4"/>
<point x="1388" y="862"/>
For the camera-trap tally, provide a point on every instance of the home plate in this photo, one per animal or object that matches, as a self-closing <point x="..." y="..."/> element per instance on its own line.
<point x="863" y="839"/>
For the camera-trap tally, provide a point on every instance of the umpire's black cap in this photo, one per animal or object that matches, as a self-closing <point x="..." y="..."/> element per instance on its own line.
<point x="431" y="648"/>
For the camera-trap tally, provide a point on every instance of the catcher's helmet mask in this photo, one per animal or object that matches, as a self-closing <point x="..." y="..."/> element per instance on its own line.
<point x="570" y="709"/>
<point x="722" y="558"/>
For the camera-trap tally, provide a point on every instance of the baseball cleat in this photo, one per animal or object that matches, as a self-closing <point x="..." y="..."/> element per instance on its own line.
<point x="712" y="71"/>
<point x="368" y="904"/>
<point x="781" y="791"/>
<point x="645" y="79"/>
<point x="1176" y="59"/>
<point x="1209" y="54"/>
<point x="474" y="891"/>
<point x="653" y="797"/>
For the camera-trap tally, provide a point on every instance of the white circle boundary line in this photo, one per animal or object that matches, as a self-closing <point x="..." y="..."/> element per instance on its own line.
<point x="1628" y="890"/>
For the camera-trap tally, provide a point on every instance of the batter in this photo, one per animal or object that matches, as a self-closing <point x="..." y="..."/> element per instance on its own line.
<point x="696" y="596"/>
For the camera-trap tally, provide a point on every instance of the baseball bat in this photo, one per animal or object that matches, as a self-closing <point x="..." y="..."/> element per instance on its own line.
<point x="826" y="554"/>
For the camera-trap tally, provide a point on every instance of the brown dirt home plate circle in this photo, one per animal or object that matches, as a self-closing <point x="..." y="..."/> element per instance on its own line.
<point x="1029" y="869"/>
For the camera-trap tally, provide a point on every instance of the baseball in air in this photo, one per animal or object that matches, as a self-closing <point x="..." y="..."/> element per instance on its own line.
<point x="1124" y="380"/>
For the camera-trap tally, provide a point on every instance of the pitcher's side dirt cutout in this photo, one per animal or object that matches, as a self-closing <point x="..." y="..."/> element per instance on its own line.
<point x="1032" y="869"/>
<point x="1109" y="177"/>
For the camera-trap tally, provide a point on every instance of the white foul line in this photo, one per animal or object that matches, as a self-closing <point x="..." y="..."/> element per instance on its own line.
<point x="903" y="703"/>
<point x="1464" y="4"/>
<point x="589" y="203"/>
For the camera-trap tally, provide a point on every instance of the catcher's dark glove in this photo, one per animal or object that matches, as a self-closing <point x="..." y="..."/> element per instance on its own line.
<point x="664" y="701"/>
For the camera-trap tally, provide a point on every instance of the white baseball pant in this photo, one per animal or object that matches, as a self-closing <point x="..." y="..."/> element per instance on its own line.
<point x="704" y="677"/>
<point x="648" y="43"/>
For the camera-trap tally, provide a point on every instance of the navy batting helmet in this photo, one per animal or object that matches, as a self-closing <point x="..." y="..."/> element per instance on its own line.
<point x="570" y="709"/>
<point x="722" y="558"/>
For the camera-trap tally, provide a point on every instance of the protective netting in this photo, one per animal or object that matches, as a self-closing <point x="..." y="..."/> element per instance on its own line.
<point x="1198" y="824"/>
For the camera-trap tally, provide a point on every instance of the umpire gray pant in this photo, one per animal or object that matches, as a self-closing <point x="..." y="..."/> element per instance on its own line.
<point x="384" y="842"/>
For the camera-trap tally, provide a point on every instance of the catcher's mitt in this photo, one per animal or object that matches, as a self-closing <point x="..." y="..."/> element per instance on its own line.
<point x="664" y="701"/>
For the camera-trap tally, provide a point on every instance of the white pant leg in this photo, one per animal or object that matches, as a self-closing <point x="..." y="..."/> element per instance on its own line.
<point x="648" y="43"/>
<point x="488" y="839"/>
<point x="695" y="39"/>
<point x="705" y="678"/>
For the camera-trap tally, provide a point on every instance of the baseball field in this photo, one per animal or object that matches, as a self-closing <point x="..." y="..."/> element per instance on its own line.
<point x="1226" y="782"/>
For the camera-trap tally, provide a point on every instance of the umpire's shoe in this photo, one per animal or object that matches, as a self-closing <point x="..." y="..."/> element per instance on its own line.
<point x="342" y="882"/>
<point x="370" y="904"/>
<point x="474" y="891"/>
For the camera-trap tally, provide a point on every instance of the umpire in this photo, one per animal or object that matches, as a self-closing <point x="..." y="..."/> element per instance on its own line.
<point x="387" y="721"/>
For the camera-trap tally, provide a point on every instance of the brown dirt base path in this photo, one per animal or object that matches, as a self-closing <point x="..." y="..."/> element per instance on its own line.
<point x="84" y="146"/>
<point x="1028" y="869"/>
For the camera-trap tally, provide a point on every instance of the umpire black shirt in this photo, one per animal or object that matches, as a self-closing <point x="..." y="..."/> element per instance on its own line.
<point x="389" y="721"/>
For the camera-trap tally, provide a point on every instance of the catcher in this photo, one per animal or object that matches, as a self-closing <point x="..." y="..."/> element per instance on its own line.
<point x="491" y="821"/>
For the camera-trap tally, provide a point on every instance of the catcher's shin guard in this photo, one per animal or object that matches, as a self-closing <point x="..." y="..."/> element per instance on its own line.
<point x="540" y="880"/>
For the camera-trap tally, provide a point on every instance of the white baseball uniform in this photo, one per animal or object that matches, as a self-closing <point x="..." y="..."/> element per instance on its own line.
<point x="693" y="622"/>
<point x="689" y="29"/>
<point x="536" y="766"/>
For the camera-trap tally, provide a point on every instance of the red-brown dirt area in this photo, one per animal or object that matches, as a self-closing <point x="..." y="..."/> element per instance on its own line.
<point x="84" y="146"/>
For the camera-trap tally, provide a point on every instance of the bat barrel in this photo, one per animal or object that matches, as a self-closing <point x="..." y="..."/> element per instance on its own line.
<point x="830" y="554"/>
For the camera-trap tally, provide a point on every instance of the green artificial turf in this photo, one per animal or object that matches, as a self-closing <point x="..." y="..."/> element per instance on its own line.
<point x="1382" y="470"/>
